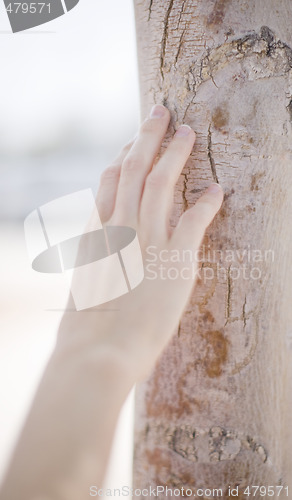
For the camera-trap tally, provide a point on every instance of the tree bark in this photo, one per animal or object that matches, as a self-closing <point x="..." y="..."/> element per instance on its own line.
<point x="216" y="410"/>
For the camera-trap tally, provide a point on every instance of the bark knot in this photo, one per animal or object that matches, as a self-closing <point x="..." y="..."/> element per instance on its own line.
<point x="262" y="55"/>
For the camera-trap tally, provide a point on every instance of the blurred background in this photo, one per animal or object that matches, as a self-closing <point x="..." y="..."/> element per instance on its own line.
<point x="69" y="100"/>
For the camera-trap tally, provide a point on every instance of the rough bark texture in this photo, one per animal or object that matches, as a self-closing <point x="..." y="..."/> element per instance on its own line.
<point x="215" y="411"/>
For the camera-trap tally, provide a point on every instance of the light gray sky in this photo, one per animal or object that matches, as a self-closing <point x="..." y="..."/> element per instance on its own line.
<point x="68" y="101"/>
<point x="79" y="67"/>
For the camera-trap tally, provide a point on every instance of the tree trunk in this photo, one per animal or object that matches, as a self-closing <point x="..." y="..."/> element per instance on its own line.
<point x="215" y="411"/>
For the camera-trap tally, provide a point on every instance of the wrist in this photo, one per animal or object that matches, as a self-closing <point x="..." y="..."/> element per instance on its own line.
<point x="98" y="359"/>
<point x="109" y="340"/>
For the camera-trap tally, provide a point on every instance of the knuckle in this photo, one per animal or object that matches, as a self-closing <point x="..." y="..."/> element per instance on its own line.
<point x="148" y="126"/>
<point x="131" y="163"/>
<point x="158" y="180"/>
<point x="103" y="209"/>
<point x="127" y="146"/>
<point x="110" y="174"/>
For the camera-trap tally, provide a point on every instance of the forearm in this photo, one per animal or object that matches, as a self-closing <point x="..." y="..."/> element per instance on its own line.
<point x="65" y="443"/>
<point x="103" y="351"/>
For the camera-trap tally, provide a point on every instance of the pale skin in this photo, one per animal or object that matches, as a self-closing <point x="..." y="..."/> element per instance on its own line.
<point x="100" y="354"/>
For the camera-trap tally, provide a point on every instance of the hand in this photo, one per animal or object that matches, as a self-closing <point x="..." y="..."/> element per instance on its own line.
<point x="101" y="352"/>
<point x="137" y="191"/>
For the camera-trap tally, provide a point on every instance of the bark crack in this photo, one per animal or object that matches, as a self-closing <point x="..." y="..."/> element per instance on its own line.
<point x="228" y="299"/>
<point x="164" y="37"/>
<point x="150" y="9"/>
<point x="244" y="312"/>
<point x="187" y="108"/>
<point x="289" y="109"/>
<point x="179" y="47"/>
<point x="181" y="13"/>
<point x="184" y="190"/>
<point x="210" y="156"/>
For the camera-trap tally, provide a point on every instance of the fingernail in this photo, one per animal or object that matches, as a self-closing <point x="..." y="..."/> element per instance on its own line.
<point x="214" y="188"/>
<point x="183" y="130"/>
<point x="158" y="111"/>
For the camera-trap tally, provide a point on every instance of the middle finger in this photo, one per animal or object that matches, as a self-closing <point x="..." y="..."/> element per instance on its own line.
<point x="137" y="165"/>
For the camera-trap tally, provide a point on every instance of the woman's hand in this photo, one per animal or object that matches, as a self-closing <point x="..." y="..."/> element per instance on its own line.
<point x="137" y="191"/>
<point x="101" y="352"/>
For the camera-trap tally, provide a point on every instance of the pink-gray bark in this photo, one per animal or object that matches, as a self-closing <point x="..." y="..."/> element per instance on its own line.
<point x="215" y="411"/>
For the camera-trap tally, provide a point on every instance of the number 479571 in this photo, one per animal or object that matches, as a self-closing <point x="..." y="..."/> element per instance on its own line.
<point x="28" y="8"/>
<point x="263" y="491"/>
